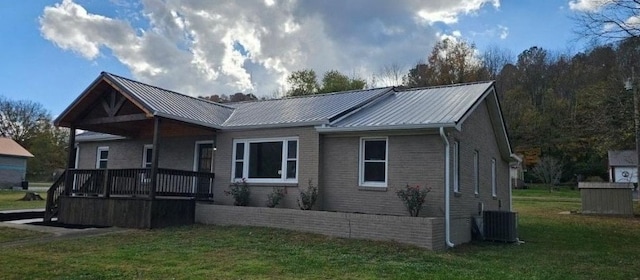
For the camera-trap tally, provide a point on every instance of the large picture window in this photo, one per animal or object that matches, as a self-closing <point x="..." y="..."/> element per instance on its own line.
<point x="373" y="162"/>
<point x="265" y="160"/>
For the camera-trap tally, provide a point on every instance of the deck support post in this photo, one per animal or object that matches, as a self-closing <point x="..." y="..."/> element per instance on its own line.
<point x="106" y="187"/>
<point x="71" y="160"/>
<point x="154" y="158"/>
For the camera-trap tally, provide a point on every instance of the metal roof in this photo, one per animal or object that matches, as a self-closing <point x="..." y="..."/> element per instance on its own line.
<point x="413" y="108"/>
<point x="623" y="158"/>
<point x="307" y="110"/>
<point x="8" y="147"/>
<point x="170" y="104"/>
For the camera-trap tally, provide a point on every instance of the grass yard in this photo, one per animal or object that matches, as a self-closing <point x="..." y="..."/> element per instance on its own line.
<point x="556" y="246"/>
<point x="9" y="200"/>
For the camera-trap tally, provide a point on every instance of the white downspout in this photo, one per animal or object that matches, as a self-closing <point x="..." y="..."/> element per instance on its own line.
<point x="447" y="206"/>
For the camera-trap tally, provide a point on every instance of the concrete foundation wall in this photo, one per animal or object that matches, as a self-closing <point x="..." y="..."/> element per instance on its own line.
<point x="423" y="232"/>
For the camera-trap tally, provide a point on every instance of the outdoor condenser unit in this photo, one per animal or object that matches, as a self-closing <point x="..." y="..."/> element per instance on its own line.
<point x="500" y="226"/>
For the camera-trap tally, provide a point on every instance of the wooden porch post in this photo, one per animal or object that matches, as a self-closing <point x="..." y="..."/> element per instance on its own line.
<point x="154" y="157"/>
<point x="71" y="160"/>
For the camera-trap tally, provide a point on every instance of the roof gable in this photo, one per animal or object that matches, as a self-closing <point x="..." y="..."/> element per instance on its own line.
<point x="8" y="147"/>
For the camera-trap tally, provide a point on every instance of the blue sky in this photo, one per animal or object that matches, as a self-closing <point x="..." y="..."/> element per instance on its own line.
<point x="204" y="48"/>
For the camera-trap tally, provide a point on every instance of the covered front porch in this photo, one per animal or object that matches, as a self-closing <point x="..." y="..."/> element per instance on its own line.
<point x="134" y="172"/>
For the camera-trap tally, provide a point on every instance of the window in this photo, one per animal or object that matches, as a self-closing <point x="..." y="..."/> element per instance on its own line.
<point x="456" y="166"/>
<point x="373" y="162"/>
<point x="493" y="177"/>
<point x="102" y="157"/>
<point x="147" y="156"/>
<point x="266" y="160"/>
<point x="476" y="173"/>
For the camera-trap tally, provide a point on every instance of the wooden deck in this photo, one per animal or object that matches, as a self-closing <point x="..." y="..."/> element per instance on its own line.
<point x="126" y="197"/>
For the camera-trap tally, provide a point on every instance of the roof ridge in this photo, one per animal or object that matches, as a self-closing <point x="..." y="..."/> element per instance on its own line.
<point x="167" y="90"/>
<point x="399" y="89"/>
<point x="311" y="95"/>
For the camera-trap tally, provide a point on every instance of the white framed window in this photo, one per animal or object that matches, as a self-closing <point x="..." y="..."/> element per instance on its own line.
<point x="476" y="172"/>
<point x="373" y="164"/>
<point x="267" y="160"/>
<point x="102" y="157"/>
<point x="456" y="166"/>
<point x="147" y="156"/>
<point x="494" y="191"/>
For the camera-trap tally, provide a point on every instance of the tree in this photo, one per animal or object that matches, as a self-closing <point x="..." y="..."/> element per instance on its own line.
<point x="451" y="61"/>
<point x="29" y="124"/>
<point x="22" y="120"/>
<point x="548" y="171"/>
<point x="303" y="82"/>
<point x="610" y="20"/>
<point x="390" y="75"/>
<point x="334" y="81"/>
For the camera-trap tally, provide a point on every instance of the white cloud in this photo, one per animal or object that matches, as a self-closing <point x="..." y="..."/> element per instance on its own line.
<point x="206" y="47"/>
<point x="588" y="5"/>
<point x="503" y="31"/>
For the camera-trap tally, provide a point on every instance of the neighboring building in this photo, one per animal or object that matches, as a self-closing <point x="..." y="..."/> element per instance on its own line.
<point x="623" y="166"/>
<point x="13" y="163"/>
<point x="359" y="147"/>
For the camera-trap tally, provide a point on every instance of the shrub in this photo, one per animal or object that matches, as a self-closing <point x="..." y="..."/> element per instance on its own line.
<point x="277" y="194"/>
<point x="240" y="192"/>
<point x="413" y="198"/>
<point x="308" y="197"/>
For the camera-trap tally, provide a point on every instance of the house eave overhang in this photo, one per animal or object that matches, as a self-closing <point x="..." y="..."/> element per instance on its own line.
<point x="185" y="120"/>
<point x="328" y="129"/>
<point x="274" y="125"/>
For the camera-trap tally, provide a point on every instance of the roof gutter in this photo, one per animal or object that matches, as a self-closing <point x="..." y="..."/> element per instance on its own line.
<point x="447" y="203"/>
<point x="330" y="129"/>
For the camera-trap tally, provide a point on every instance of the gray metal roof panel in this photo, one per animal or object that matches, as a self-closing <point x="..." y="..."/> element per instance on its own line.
<point x="426" y="106"/>
<point x="172" y="104"/>
<point x="623" y="158"/>
<point x="307" y="109"/>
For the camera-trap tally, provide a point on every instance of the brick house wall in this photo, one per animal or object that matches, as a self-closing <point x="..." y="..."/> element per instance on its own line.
<point x="477" y="134"/>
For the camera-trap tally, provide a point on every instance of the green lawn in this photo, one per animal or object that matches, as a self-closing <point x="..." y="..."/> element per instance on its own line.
<point x="557" y="246"/>
<point x="9" y="200"/>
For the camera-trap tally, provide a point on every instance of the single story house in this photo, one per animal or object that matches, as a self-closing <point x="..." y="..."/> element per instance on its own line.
<point x="13" y="163"/>
<point x="358" y="147"/>
<point x="623" y="166"/>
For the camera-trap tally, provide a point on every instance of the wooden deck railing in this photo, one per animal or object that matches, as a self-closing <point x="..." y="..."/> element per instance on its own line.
<point x="136" y="182"/>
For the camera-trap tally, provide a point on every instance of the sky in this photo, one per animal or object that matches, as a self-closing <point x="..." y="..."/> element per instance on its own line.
<point x="51" y="51"/>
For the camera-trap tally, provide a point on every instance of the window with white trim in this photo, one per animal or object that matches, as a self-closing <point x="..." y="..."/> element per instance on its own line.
<point x="102" y="157"/>
<point x="476" y="172"/>
<point x="147" y="156"/>
<point x="373" y="162"/>
<point x="270" y="160"/>
<point x="493" y="178"/>
<point x="456" y="166"/>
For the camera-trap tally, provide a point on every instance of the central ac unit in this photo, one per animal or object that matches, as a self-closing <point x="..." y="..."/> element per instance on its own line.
<point x="500" y="226"/>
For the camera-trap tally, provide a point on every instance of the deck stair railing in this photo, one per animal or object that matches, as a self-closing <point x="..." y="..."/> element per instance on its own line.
<point x="53" y="198"/>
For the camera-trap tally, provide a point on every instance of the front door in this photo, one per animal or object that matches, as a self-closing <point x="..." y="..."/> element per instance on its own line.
<point x="204" y="163"/>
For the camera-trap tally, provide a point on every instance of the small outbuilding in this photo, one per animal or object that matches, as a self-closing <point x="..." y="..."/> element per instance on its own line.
<point x="623" y="166"/>
<point x="13" y="163"/>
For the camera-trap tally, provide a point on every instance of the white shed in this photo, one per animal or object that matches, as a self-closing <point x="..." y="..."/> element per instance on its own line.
<point x="623" y="166"/>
